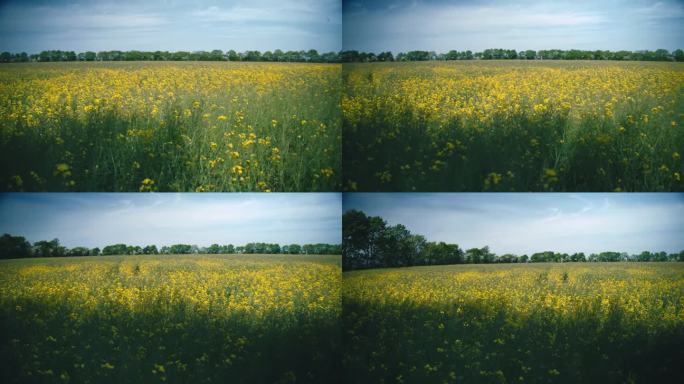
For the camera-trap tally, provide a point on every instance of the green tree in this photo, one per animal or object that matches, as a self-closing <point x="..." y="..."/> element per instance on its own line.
<point x="678" y="55"/>
<point x="150" y="250"/>
<point x="14" y="247"/>
<point x="115" y="249"/>
<point x="78" y="251"/>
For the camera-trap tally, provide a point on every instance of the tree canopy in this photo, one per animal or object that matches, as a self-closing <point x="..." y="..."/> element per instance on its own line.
<point x="512" y="54"/>
<point x="369" y="242"/>
<point x="349" y="56"/>
<point x="311" y="56"/>
<point x="12" y="247"/>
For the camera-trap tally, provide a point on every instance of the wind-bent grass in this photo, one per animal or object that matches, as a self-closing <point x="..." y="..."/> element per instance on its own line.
<point x="170" y="127"/>
<point x="513" y="126"/>
<point x="551" y="323"/>
<point x="178" y="319"/>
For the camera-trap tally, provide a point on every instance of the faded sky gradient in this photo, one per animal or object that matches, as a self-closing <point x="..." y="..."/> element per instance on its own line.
<point x="170" y="25"/>
<point x="441" y="25"/>
<point x="99" y="219"/>
<point x="524" y="223"/>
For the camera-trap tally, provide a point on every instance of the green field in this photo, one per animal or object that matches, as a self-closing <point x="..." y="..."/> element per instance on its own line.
<point x="172" y="319"/>
<point x="513" y="126"/>
<point x="181" y="126"/>
<point x="543" y="323"/>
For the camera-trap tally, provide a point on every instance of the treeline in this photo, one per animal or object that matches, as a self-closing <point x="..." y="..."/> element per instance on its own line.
<point x="12" y="247"/>
<point x="369" y="242"/>
<point x="311" y="56"/>
<point x="512" y="54"/>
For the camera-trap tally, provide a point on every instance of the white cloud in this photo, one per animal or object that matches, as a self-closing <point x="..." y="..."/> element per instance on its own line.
<point x="170" y="25"/>
<point x="527" y="223"/>
<point x="162" y="219"/>
<point x="291" y="12"/>
<point x="441" y="26"/>
<point x="24" y="18"/>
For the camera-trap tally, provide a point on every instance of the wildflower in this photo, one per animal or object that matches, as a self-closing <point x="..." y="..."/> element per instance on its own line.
<point x="62" y="169"/>
<point x="492" y="179"/>
<point x="327" y="172"/>
<point x="263" y="186"/>
<point x="147" y="185"/>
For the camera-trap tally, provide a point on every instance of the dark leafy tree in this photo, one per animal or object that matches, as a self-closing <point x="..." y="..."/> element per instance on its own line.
<point x="78" y="251"/>
<point x="150" y="250"/>
<point x="115" y="249"/>
<point x="14" y="247"/>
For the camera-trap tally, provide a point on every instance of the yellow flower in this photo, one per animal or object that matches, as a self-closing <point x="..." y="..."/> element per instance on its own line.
<point x="62" y="168"/>
<point x="327" y="172"/>
<point x="263" y="186"/>
<point x="147" y="185"/>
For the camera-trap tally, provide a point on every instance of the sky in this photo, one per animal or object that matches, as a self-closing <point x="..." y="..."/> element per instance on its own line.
<point x="100" y="219"/>
<point x="443" y="25"/>
<point x="170" y="25"/>
<point x="524" y="223"/>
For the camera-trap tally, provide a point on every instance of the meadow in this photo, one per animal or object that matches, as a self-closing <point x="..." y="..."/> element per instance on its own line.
<point x="171" y="319"/>
<point x="542" y="323"/>
<point x="181" y="126"/>
<point x="513" y="126"/>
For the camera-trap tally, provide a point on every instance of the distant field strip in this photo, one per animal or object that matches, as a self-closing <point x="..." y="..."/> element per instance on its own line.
<point x="514" y="126"/>
<point x="170" y="127"/>
<point x="247" y="319"/>
<point x="544" y="323"/>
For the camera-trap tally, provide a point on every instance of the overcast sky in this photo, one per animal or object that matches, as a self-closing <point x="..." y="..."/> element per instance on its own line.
<point x="80" y="25"/>
<point x="524" y="223"/>
<point x="99" y="219"/>
<point x="442" y="25"/>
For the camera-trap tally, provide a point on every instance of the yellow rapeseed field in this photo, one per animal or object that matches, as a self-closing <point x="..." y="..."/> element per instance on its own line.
<point x="255" y="318"/>
<point x="170" y="126"/>
<point x="608" y="322"/>
<point x="514" y="126"/>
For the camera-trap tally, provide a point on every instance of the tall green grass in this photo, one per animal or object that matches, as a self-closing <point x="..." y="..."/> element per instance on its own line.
<point x="513" y="126"/>
<point x="170" y="319"/>
<point x="618" y="323"/>
<point x="170" y="127"/>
